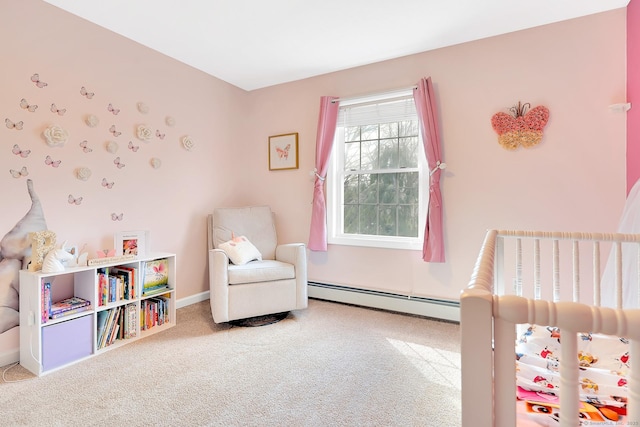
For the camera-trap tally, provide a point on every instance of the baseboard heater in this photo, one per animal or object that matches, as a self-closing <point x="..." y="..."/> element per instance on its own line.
<point x="428" y="307"/>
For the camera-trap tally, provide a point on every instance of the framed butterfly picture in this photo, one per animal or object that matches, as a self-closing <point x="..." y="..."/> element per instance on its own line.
<point x="283" y="151"/>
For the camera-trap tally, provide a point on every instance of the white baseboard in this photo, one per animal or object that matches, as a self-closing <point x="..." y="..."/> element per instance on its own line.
<point x="183" y="302"/>
<point x="428" y="307"/>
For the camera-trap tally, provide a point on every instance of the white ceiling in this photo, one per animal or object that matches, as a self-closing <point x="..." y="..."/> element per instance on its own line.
<point x="258" y="43"/>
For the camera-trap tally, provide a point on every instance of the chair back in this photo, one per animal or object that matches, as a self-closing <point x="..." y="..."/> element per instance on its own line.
<point x="256" y="223"/>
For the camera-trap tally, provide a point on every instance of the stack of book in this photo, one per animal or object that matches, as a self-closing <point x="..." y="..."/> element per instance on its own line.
<point x="116" y="284"/>
<point x="67" y="307"/>
<point x="117" y="323"/>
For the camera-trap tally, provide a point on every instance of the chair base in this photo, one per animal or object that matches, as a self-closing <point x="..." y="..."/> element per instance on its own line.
<point x="267" y="319"/>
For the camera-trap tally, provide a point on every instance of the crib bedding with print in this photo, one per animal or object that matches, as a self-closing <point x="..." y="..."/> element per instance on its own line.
<point x="546" y="338"/>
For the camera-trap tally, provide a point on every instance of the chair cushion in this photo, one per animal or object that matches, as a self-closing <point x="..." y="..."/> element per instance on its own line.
<point x="240" y="250"/>
<point x="260" y="271"/>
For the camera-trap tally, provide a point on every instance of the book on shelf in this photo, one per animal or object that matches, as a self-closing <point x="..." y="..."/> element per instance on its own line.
<point x="70" y="312"/>
<point x="155" y="274"/>
<point x="68" y="304"/>
<point x="46" y="301"/>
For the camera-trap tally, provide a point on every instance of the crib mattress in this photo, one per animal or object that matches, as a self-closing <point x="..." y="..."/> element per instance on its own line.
<point x="604" y="365"/>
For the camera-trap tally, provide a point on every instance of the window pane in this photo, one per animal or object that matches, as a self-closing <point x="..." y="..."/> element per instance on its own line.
<point x="408" y="128"/>
<point x="352" y="156"/>
<point x="409" y="152"/>
<point x="351" y="219"/>
<point x="388" y="189"/>
<point x="369" y="155"/>
<point x="368" y="188"/>
<point x="408" y="221"/>
<point x="352" y="134"/>
<point x="369" y="132"/>
<point x="408" y="188"/>
<point x="351" y="189"/>
<point x="388" y="130"/>
<point x="388" y="153"/>
<point x="387" y="221"/>
<point x="368" y="219"/>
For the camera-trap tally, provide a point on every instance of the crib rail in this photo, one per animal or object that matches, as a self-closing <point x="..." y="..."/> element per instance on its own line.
<point x="490" y="310"/>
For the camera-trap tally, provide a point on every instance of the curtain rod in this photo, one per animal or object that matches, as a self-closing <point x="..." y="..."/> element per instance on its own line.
<point x="379" y="94"/>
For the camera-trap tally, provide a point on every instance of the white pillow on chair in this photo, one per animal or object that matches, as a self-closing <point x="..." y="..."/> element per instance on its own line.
<point x="240" y="250"/>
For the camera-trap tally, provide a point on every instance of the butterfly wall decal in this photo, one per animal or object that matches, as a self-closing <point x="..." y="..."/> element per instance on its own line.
<point x="50" y="162"/>
<point x="85" y="147"/>
<point x="107" y="184"/>
<point x="521" y="128"/>
<point x="160" y="135"/>
<point x="113" y="131"/>
<point x="115" y="111"/>
<point x="132" y="147"/>
<point x="74" y="201"/>
<point x="29" y="107"/>
<point x="117" y="162"/>
<point x="18" y="152"/>
<point x="59" y="111"/>
<point x="12" y="125"/>
<point x="18" y="174"/>
<point x="83" y="92"/>
<point x="36" y="79"/>
<point x="116" y="217"/>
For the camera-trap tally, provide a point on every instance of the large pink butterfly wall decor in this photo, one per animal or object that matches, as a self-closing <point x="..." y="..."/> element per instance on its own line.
<point x="521" y="127"/>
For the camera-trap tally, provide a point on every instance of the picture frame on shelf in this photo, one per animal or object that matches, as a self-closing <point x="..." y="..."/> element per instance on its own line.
<point x="131" y="243"/>
<point x="283" y="151"/>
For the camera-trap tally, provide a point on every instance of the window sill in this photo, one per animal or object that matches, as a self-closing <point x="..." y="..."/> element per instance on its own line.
<point x="378" y="242"/>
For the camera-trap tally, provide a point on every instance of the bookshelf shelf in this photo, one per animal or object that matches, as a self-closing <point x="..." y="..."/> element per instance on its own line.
<point x="48" y="344"/>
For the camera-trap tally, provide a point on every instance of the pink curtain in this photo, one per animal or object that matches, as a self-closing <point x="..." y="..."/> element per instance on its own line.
<point x="433" y="246"/>
<point x="324" y="142"/>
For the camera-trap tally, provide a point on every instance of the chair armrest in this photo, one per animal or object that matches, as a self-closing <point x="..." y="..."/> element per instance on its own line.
<point x="219" y="285"/>
<point x="296" y="254"/>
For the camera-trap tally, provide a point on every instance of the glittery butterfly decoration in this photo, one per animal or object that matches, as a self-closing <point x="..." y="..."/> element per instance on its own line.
<point x="132" y="147"/>
<point x="106" y="253"/>
<point x="107" y="184"/>
<point x="159" y="135"/>
<point x="36" y="79"/>
<point x="18" y="174"/>
<point x="115" y="217"/>
<point x="12" y="125"/>
<point x="521" y="128"/>
<point x="117" y="162"/>
<point x="59" y="111"/>
<point x="74" y="201"/>
<point x="83" y="92"/>
<point x="26" y="106"/>
<point x="85" y="147"/>
<point x="18" y="152"/>
<point x="115" y="111"/>
<point x="50" y="162"/>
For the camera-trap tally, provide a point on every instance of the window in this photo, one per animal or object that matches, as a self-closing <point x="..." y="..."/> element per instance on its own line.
<point x="377" y="174"/>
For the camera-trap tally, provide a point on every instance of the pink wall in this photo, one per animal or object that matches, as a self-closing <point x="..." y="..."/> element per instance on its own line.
<point x="172" y="201"/>
<point x="633" y="93"/>
<point x="574" y="180"/>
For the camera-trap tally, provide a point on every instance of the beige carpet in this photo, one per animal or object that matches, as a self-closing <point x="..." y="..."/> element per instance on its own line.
<point x="329" y="365"/>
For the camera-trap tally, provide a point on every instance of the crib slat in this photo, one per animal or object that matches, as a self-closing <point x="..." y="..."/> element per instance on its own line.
<point x="596" y="274"/>
<point x="518" y="284"/>
<point x="569" y="381"/>
<point x="556" y="270"/>
<point x="536" y="270"/>
<point x="505" y="386"/>
<point x="618" y="256"/>
<point x="576" y="271"/>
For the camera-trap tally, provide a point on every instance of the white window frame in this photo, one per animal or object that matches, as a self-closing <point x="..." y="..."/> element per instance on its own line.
<point x="335" y="188"/>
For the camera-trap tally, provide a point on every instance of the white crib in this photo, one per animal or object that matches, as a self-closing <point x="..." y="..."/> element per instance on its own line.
<point x="541" y="278"/>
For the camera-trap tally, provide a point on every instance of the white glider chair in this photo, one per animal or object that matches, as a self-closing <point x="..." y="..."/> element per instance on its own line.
<point x="250" y="274"/>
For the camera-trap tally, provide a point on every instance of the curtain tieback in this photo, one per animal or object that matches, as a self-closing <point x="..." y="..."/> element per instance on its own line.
<point x="439" y="165"/>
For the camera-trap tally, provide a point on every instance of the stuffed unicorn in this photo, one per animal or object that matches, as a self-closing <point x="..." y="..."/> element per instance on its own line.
<point x="55" y="259"/>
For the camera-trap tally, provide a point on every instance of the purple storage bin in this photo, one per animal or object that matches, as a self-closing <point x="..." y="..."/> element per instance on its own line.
<point x="66" y="342"/>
